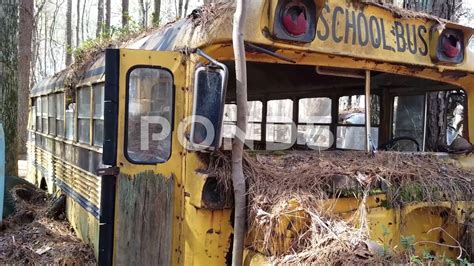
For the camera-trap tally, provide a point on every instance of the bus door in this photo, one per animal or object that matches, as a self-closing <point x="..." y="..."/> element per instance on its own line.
<point x="143" y="105"/>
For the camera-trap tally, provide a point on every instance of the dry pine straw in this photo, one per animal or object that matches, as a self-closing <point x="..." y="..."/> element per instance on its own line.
<point x="308" y="177"/>
<point x="28" y="237"/>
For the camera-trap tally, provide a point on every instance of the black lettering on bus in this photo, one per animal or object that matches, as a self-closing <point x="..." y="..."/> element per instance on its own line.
<point x="337" y="10"/>
<point x="399" y="33"/>
<point x="412" y="45"/>
<point x="325" y="24"/>
<point x="424" y="46"/>
<point x="384" y="39"/>
<point x="349" y="26"/>
<point x="374" y="23"/>
<point x="362" y="23"/>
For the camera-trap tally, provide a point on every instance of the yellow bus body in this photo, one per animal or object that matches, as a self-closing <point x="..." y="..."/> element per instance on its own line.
<point x="163" y="202"/>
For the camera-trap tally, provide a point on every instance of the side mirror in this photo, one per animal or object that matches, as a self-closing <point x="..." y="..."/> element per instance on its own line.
<point x="210" y="84"/>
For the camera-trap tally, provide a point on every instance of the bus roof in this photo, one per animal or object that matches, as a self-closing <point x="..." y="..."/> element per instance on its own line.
<point x="356" y="29"/>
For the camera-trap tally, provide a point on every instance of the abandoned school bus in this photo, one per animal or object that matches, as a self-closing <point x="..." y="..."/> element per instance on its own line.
<point x="122" y="140"/>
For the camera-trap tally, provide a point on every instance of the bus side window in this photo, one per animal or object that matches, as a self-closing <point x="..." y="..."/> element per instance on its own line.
<point x="52" y="114"/>
<point x="351" y="122"/>
<point x="44" y="114"/>
<point x="149" y="115"/>
<point x="83" y="114"/>
<point x="98" y="126"/>
<point x="60" y="114"/>
<point x="70" y="121"/>
<point x="254" y="127"/>
<point x="408" y="116"/>
<point x="279" y="121"/>
<point x="33" y="114"/>
<point x="455" y="115"/>
<point x="314" y="119"/>
<point x="38" y="114"/>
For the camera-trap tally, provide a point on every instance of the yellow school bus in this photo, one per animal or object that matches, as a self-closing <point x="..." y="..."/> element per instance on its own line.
<point x="136" y="194"/>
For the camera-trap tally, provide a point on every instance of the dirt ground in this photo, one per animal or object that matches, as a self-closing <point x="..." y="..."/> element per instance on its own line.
<point x="30" y="237"/>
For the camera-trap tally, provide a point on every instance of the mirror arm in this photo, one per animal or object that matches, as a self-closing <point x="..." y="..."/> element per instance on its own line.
<point x="212" y="60"/>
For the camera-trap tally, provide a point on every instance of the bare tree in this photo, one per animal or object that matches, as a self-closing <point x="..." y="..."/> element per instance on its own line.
<point x="24" y="60"/>
<point x="144" y="9"/>
<point x="52" y="34"/>
<point x="9" y="81"/>
<point x="78" y="22"/>
<point x="68" y="33"/>
<point x="88" y="20"/>
<point x="180" y="9"/>
<point x="39" y="5"/>
<point x="238" y="144"/>
<point x="45" y="54"/>
<point x="186" y="4"/>
<point x="82" y="18"/>
<point x="100" y="18"/>
<point x="108" y="10"/>
<point x="125" y="13"/>
<point x="156" y="13"/>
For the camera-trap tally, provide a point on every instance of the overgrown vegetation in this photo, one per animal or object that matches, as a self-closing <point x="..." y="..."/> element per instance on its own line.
<point x="91" y="49"/>
<point x="290" y="212"/>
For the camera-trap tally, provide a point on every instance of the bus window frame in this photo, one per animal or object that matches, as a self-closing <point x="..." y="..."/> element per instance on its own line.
<point x="59" y="119"/>
<point x="77" y="116"/>
<point x="52" y="114"/>
<point x="38" y="113"/>
<point x="233" y="123"/>
<point x="94" y="118"/>
<point x="294" y="110"/>
<point x="127" y="102"/>
<point x="298" y="123"/>
<point x="44" y="115"/>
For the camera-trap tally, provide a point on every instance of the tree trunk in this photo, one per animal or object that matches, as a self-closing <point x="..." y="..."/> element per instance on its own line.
<point x="24" y="60"/>
<point x="156" y="13"/>
<point x="82" y="18"/>
<point x="35" y="40"/>
<point x="447" y="9"/>
<point x="238" y="145"/>
<point x="180" y="8"/>
<point x="186" y="4"/>
<point x="100" y="18"/>
<point x="437" y="112"/>
<point x="9" y="81"/>
<point x="68" y="33"/>
<point x="78" y="23"/>
<point x="142" y="13"/>
<point x="52" y="34"/>
<point x="45" y="54"/>
<point x="125" y="13"/>
<point x="108" y="10"/>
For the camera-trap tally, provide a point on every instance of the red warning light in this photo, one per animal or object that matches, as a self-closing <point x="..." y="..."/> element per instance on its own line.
<point x="294" y="19"/>
<point x="451" y="45"/>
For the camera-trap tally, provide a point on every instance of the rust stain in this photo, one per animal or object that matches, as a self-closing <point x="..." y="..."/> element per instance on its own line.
<point x="453" y="74"/>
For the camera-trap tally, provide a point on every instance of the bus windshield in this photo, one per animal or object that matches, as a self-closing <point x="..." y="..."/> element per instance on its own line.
<point x="305" y="107"/>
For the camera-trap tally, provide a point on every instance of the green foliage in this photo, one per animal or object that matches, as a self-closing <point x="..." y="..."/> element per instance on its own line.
<point x="156" y="19"/>
<point x="415" y="259"/>
<point x="408" y="243"/>
<point x="411" y="193"/>
<point x="464" y="262"/>
<point x="427" y="255"/>
<point x="385" y="241"/>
